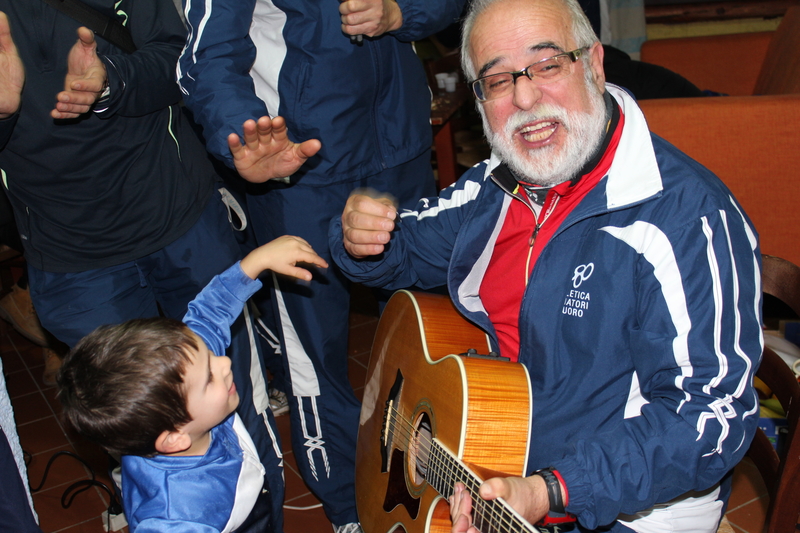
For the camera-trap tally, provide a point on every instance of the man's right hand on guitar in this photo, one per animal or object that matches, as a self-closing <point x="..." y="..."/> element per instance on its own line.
<point x="367" y="223"/>
<point x="527" y="496"/>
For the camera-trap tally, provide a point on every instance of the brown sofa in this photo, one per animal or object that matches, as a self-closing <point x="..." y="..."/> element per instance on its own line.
<point x="751" y="142"/>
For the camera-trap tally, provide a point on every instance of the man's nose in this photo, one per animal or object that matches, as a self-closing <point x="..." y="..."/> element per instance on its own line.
<point x="526" y="93"/>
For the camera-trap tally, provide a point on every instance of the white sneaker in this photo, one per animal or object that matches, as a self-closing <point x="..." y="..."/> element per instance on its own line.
<point x="278" y="402"/>
<point x="352" y="527"/>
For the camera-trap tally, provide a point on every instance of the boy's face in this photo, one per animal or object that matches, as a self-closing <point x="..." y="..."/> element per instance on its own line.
<point x="210" y="393"/>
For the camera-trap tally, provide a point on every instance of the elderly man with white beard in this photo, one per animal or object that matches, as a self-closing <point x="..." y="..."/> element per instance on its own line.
<point x="623" y="275"/>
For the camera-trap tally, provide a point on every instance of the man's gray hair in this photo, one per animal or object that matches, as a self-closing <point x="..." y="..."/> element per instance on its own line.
<point x="581" y="30"/>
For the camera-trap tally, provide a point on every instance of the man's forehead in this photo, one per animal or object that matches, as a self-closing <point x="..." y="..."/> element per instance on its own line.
<point x="519" y="27"/>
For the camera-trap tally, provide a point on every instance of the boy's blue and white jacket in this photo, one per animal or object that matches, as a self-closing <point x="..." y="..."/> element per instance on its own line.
<point x="214" y="492"/>
<point x="640" y="325"/>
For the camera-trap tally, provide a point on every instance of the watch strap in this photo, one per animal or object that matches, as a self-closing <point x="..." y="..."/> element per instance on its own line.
<point x="558" y="513"/>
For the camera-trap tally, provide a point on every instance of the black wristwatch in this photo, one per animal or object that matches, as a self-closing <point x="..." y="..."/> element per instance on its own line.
<point x="557" y="514"/>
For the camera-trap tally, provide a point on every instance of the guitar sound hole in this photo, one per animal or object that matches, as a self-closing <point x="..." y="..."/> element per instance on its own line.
<point x="420" y="448"/>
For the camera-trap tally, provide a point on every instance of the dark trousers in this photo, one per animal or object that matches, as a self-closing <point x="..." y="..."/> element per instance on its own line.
<point x="313" y="324"/>
<point x="15" y="511"/>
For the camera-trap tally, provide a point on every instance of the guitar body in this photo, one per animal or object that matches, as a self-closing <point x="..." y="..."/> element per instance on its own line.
<point x="417" y="393"/>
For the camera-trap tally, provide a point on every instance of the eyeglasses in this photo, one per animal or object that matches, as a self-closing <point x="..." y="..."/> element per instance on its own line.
<point x="548" y="70"/>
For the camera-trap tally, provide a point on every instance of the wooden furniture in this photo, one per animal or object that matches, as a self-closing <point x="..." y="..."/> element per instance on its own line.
<point x="780" y="469"/>
<point x="751" y="142"/>
<point x="760" y="63"/>
<point x="446" y="115"/>
<point x="668" y="12"/>
<point x="444" y="110"/>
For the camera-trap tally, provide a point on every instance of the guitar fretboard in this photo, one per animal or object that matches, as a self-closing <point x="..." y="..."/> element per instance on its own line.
<point x="444" y="470"/>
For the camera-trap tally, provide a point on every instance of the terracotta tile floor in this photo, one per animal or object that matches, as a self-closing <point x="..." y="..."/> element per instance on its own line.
<point x="42" y="435"/>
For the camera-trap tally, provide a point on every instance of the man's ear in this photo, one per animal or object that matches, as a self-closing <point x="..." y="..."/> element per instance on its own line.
<point x="598" y="73"/>
<point x="173" y="442"/>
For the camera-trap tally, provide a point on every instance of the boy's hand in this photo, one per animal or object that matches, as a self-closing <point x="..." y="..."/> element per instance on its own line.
<point x="85" y="81"/>
<point x="267" y="152"/>
<point x="282" y="256"/>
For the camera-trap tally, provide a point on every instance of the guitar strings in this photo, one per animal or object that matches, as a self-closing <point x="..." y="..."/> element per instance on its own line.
<point x="485" y="512"/>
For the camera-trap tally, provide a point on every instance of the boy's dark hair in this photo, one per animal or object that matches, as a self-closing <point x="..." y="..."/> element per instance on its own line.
<point x="122" y="385"/>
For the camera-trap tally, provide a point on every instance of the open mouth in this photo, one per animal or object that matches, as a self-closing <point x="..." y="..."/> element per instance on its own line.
<point x="539" y="133"/>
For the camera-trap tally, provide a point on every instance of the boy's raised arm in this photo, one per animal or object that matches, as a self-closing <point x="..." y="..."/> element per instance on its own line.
<point x="282" y="256"/>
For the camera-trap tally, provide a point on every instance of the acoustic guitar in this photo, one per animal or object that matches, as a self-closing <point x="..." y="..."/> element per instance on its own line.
<point x="431" y="417"/>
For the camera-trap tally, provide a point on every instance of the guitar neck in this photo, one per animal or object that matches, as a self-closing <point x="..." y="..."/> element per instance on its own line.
<point x="495" y="516"/>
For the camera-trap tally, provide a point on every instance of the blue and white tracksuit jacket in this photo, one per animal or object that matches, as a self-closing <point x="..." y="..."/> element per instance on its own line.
<point x="639" y="326"/>
<point x="217" y="491"/>
<point x="213" y="492"/>
<point x="368" y="104"/>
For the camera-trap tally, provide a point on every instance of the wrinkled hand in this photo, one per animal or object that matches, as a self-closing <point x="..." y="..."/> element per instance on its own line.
<point x="527" y="496"/>
<point x="282" y="256"/>
<point x="85" y="81"/>
<point x="370" y="17"/>
<point x="12" y="73"/>
<point x="267" y="152"/>
<point x="367" y="223"/>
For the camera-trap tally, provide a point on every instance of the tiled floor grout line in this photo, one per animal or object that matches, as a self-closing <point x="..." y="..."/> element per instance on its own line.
<point x="737" y="528"/>
<point x="731" y="509"/>
<point x="74" y="525"/>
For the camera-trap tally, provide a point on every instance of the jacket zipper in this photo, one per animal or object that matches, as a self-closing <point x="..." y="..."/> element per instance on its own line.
<point x="545" y="214"/>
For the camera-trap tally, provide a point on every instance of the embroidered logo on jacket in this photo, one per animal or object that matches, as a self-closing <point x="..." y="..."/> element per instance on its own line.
<point x="576" y="302"/>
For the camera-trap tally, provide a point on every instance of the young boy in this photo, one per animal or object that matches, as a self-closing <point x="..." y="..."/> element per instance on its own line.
<point x="160" y="393"/>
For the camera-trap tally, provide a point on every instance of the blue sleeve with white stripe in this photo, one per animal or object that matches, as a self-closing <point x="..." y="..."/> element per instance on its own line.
<point x="421" y="244"/>
<point x="212" y="312"/>
<point x="214" y="70"/>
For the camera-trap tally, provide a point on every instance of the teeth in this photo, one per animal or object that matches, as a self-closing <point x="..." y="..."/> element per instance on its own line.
<point x="538" y="132"/>
<point x="537" y="127"/>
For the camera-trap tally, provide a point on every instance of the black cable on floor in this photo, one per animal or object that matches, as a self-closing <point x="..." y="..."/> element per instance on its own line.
<point x="114" y="506"/>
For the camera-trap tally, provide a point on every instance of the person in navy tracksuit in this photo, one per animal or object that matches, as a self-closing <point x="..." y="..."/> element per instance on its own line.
<point x="367" y="101"/>
<point x="622" y="274"/>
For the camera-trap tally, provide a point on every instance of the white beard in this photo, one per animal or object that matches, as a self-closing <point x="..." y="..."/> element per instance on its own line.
<point x="551" y="165"/>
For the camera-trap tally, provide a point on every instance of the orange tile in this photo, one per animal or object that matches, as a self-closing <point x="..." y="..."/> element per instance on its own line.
<point x="747" y="484"/>
<point x="53" y="517"/>
<point x="50" y="395"/>
<point x="94" y="525"/>
<point x="749" y="517"/>
<point x="305" y="520"/>
<point x="20" y="383"/>
<point x="284" y="424"/>
<point x="11" y="359"/>
<point x="31" y="407"/>
<point x="64" y="469"/>
<point x="295" y="486"/>
<point x="41" y="436"/>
